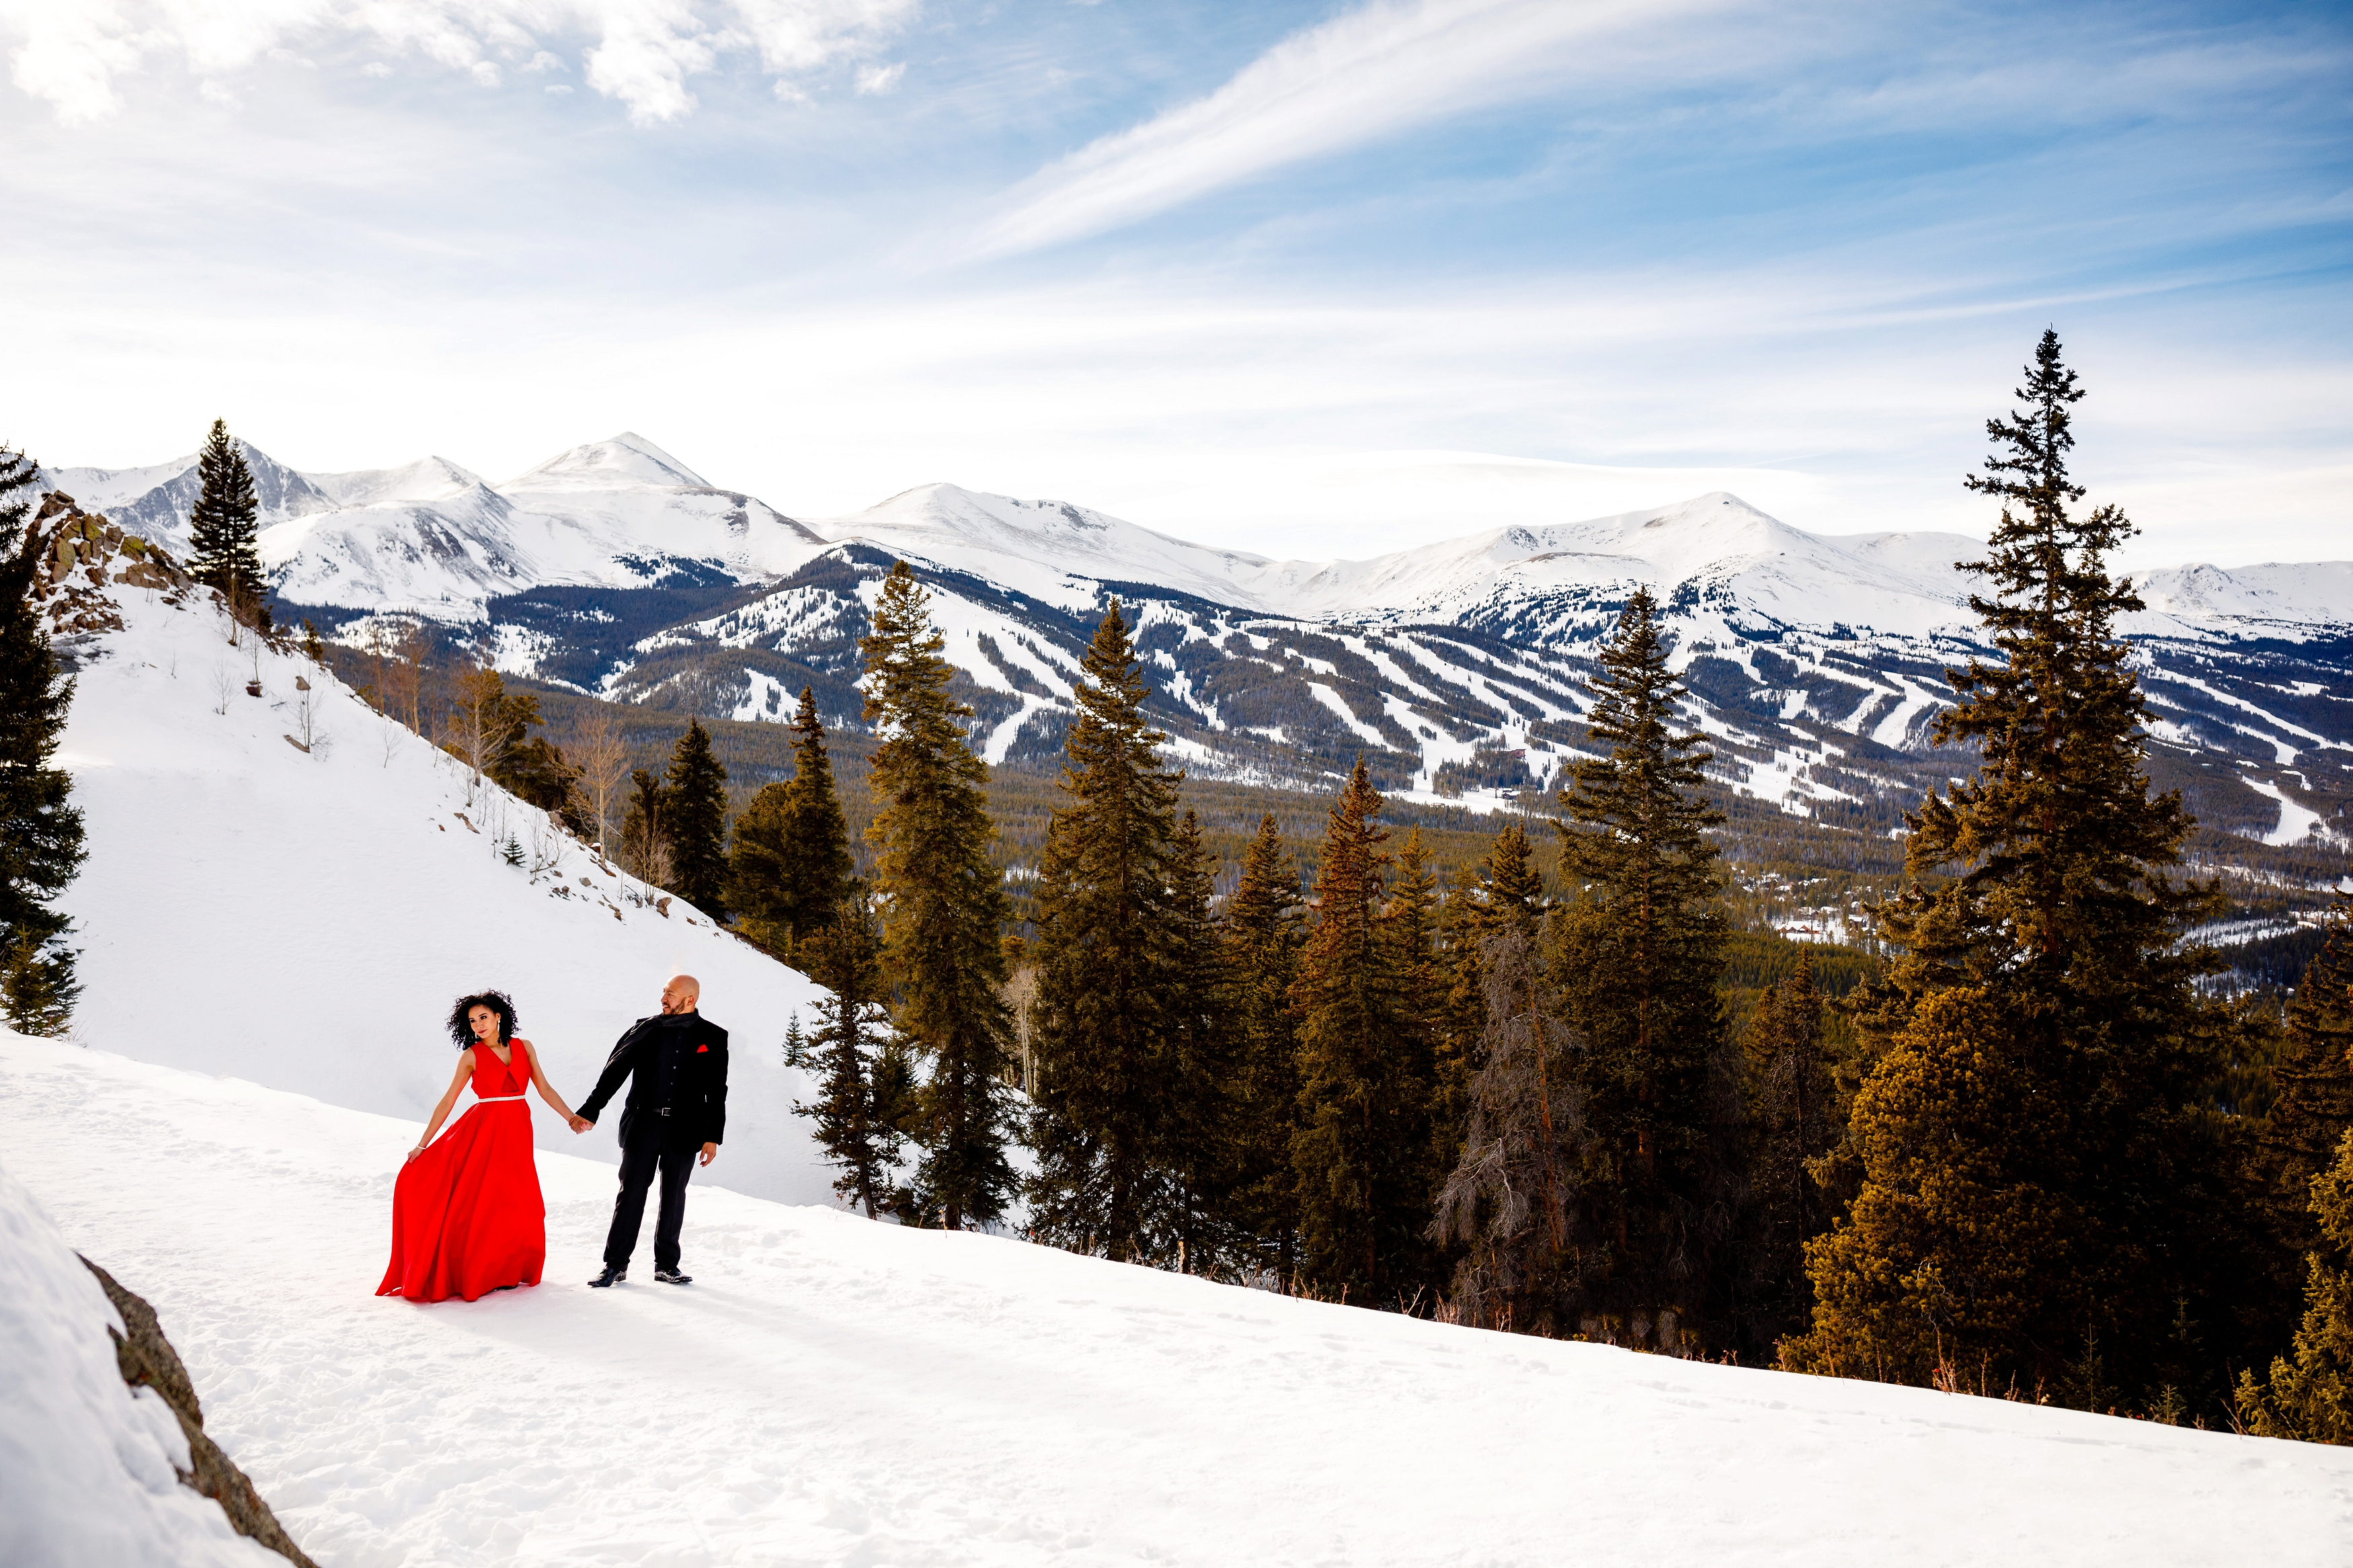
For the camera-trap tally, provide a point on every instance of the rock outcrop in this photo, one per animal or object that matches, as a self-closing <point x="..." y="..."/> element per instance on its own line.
<point x="148" y="1360"/>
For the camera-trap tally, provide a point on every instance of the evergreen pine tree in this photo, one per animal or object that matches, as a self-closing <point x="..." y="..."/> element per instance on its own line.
<point x="2311" y="1396"/>
<point x="1102" y="1026"/>
<point x="1260" y="940"/>
<point x="791" y="866"/>
<point x="1204" y="1054"/>
<point x="1360" y="1153"/>
<point x="2313" y="1075"/>
<point x="1638" y="956"/>
<point x="1507" y="894"/>
<point x="694" y="799"/>
<point x="40" y="832"/>
<point x="1509" y="1207"/>
<point x="853" y="1126"/>
<point x="1790" y="1124"/>
<point x="223" y="531"/>
<point x="943" y="907"/>
<point x="2039" y="1172"/>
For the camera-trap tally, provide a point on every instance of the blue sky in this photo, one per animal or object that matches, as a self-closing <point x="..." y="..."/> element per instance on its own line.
<point x="1315" y="279"/>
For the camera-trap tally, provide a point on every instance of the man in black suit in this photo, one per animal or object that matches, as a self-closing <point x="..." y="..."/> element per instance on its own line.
<point x="676" y="1062"/>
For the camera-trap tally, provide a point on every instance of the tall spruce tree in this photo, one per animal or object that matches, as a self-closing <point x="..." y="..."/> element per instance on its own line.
<point x="2040" y="1194"/>
<point x="1791" y="1107"/>
<point x="943" y="907"/>
<point x="40" y="831"/>
<point x="855" y="1126"/>
<point x="2313" y="1075"/>
<point x="1637" y="956"/>
<point x="694" y="818"/>
<point x="2309" y="1393"/>
<point x="1360" y="1153"/>
<point x="1204" y="1056"/>
<point x="1508" y="1207"/>
<point x="1506" y="894"/>
<point x="1260" y="939"/>
<point x="224" y="529"/>
<point x="791" y="866"/>
<point x="1101" y="1025"/>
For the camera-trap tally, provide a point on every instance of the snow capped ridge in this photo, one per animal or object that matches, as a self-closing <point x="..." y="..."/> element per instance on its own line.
<point x="427" y="478"/>
<point x="627" y="459"/>
<point x="2313" y="592"/>
<point x="1052" y="550"/>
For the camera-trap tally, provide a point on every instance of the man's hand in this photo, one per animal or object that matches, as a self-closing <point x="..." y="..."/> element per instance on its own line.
<point x="709" y="1152"/>
<point x="581" y="1123"/>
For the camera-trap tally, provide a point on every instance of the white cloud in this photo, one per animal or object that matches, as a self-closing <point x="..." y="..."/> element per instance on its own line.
<point x="879" y="79"/>
<point x="1371" y="74"/>
<point x="72" y="55"/>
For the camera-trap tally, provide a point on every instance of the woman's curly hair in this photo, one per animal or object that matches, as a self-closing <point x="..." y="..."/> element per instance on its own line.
<point x="461" y="1028"/>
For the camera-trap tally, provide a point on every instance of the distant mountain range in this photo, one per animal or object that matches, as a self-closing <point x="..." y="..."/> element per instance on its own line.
<point x="1459" y="669"/>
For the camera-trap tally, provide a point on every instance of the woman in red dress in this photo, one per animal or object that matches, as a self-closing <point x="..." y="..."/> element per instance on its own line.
<point x="467" y="1216"/>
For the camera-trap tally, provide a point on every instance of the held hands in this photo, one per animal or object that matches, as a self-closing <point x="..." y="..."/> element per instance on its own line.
<point x="580" y="1123"/>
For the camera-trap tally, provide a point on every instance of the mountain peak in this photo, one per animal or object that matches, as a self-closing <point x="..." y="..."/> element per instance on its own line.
<point x="427" y="478"/>
<point x="624" y="462"/>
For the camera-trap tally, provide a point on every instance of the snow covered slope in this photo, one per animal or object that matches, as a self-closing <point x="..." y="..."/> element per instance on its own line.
<point x="87" y="1463"/>
<point x="833" y="1390"/>
<point x="305" y="920"/>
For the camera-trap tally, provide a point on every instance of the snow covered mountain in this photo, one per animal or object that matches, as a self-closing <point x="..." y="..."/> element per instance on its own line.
<point x="1460" y="668"/>
<point x="430" y="537"/>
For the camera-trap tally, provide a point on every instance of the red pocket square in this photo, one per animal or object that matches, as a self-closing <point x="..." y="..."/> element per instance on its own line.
<point x="702" y="1050"/>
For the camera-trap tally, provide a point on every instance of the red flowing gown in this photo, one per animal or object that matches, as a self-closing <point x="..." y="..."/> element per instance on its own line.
<point x="467" y="1215"/>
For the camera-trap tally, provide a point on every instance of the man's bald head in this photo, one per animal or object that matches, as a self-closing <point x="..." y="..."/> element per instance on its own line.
<point x="681" y="994"/>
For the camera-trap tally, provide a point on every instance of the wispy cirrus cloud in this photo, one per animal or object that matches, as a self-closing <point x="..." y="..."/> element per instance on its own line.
<point x="642" y="53"/>
<point x="1387" y="69"/>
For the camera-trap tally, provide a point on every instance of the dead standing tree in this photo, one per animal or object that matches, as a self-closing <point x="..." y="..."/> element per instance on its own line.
<point x="1509" y="1199"/>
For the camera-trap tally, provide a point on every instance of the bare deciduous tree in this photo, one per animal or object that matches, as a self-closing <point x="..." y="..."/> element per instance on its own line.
<point x="478" y="723"/>
<point x="602" y="755"/>
<point x="408" y="673"/>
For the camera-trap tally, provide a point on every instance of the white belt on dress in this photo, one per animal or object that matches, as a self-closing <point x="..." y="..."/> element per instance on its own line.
<point x="494" y="1099"/>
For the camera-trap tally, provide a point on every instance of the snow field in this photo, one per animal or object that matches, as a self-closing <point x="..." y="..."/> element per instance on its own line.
<point x="87" y="1463"/>
<point x="832" y="1391"/>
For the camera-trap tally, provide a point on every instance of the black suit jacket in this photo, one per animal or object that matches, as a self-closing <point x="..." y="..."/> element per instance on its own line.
<point x="684" y="1050"/>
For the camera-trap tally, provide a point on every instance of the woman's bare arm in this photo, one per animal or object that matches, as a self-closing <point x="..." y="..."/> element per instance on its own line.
<point x="448" y="1098"/>
<point x="547" y="1092"/>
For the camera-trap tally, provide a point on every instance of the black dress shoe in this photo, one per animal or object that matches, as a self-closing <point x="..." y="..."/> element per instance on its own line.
<point x="610" y="1276"/>
<point x="673" y="1277"/>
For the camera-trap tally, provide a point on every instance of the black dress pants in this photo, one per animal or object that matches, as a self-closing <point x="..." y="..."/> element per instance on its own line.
<point x="638" y="1162"/>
